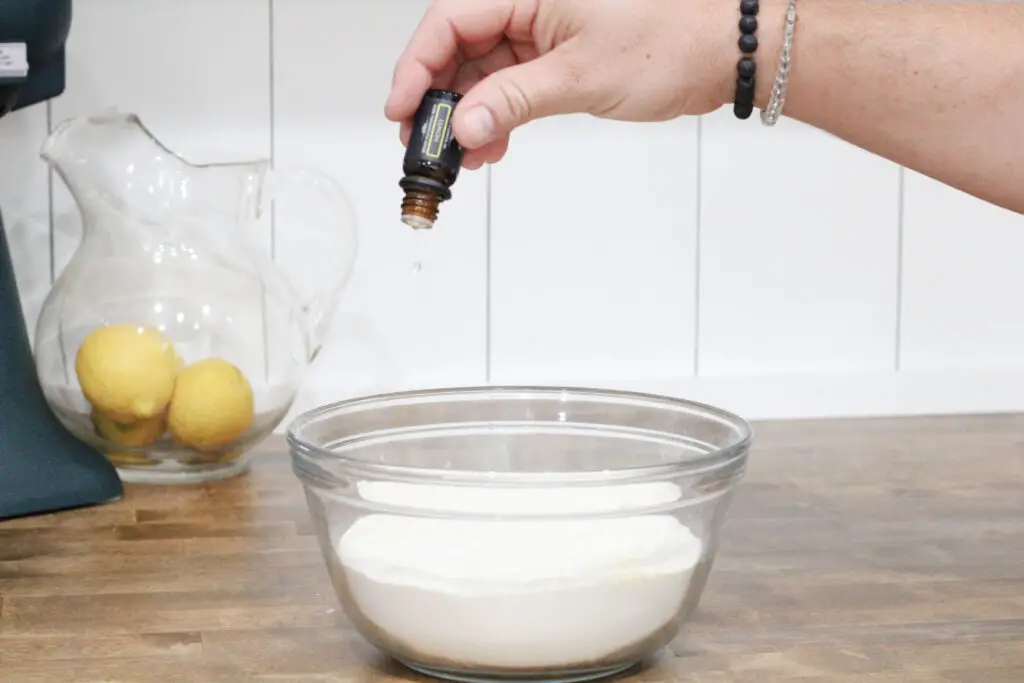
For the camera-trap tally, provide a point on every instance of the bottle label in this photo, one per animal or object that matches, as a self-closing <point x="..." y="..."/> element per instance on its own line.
<point x="13" y="60"/>
<point x="433" y="138"/>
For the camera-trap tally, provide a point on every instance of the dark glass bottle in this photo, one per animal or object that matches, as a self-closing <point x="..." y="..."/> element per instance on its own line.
<point x="433" y="159"/>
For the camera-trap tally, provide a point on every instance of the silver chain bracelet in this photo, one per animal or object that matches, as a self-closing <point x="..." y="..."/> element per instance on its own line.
<point x="771" y="114"/>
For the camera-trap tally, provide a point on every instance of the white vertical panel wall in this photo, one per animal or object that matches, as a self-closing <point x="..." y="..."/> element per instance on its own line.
<point x="415" y="313"/>
<point x="593" y="252"/>
<point x="962" y="281"/>
<point x="778" y="273"/>
<point x="798" y="252"/>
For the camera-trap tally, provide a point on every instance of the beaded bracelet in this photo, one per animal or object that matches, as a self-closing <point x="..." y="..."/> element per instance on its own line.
<point x="746" y="68"/>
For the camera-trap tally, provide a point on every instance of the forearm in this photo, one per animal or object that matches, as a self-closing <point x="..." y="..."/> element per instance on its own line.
<point x="935" y="86"/>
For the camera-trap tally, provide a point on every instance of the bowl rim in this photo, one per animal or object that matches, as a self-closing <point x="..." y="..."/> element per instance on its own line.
<point x="734" y="453"/>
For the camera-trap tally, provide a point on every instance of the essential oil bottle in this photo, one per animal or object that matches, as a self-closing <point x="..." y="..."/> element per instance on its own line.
<point x="433" y="159"/>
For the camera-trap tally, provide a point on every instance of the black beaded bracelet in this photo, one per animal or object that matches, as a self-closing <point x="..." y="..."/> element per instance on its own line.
<point x="743" y="102"/>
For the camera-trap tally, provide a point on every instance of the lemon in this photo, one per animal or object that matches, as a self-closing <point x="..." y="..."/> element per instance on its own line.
<point x="127" y="371"/>
<point x="212" y="404"/>
<point x="138" y="433"/>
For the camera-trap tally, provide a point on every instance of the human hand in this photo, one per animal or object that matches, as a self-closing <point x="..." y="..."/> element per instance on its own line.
<point x="520" y="60"/>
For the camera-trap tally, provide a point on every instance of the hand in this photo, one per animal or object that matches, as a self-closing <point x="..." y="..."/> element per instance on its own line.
<point x="519" y="60"/>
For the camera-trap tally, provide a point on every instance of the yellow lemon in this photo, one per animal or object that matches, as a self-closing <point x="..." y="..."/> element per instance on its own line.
<point x="127" y="371"/>
<point x="212" y="404"/>
<point x="138" y="433"/>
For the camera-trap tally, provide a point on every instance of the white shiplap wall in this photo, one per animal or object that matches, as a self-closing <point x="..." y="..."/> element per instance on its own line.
<point x="778" y="273"/>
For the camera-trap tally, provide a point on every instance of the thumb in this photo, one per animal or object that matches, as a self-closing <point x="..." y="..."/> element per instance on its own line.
<point x="510" y="97"/>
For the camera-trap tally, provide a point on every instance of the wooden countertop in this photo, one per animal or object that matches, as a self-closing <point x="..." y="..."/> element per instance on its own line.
<point x="881" y="550"/>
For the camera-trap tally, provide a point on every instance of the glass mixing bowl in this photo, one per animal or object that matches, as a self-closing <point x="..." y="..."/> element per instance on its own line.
<point x="518" y="532"/>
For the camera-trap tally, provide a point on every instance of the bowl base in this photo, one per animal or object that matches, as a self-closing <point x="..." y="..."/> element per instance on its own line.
<point x="554" y="676"/>
<point x="198" y="475"/>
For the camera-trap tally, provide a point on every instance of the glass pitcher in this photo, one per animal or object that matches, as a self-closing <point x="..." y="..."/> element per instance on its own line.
<point x="171" y="342"/>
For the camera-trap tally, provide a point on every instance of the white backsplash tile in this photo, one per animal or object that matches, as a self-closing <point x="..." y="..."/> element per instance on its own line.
<point x="798" y="252"/>
<point x="962" y="280"/>
<point x="593" y="236"/>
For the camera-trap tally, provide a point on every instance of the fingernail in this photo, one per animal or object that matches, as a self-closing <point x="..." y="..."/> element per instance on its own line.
<point x="478" y="127"/>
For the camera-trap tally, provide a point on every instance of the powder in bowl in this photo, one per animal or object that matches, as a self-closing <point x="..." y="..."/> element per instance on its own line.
<point x="524" y="593"/>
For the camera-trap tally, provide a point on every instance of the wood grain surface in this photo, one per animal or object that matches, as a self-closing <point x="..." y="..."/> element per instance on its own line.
<point x="876" y="550"/>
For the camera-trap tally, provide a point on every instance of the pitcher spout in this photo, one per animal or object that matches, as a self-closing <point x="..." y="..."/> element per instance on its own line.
<point x="112" y="160"/>
<point x="54" y="147"/>
<point x="68" y="140"/>
<point x="100" y="155"/>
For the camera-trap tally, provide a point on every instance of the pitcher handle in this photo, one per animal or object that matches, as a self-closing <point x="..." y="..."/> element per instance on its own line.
<point x="319" y="309"/>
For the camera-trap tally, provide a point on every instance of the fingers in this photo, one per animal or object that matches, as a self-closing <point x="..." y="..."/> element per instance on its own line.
<point x="490" y="153"/>
<point x="463" y="45"/>
<point x="448" y="28"/>
<point x="469" y="74"/>
<point x="472" y="72"/>
<point x="515" y="95"/>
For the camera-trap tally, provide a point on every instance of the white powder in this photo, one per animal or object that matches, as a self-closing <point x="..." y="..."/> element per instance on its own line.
<point x="541" y="502"/>
<point x="524" y="593"/>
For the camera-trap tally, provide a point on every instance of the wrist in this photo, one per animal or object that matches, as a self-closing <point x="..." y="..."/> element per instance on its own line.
<point x="771" y="20"/>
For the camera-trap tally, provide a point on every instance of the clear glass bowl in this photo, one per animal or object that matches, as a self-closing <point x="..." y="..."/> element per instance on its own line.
<point x="518" y="532"/>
